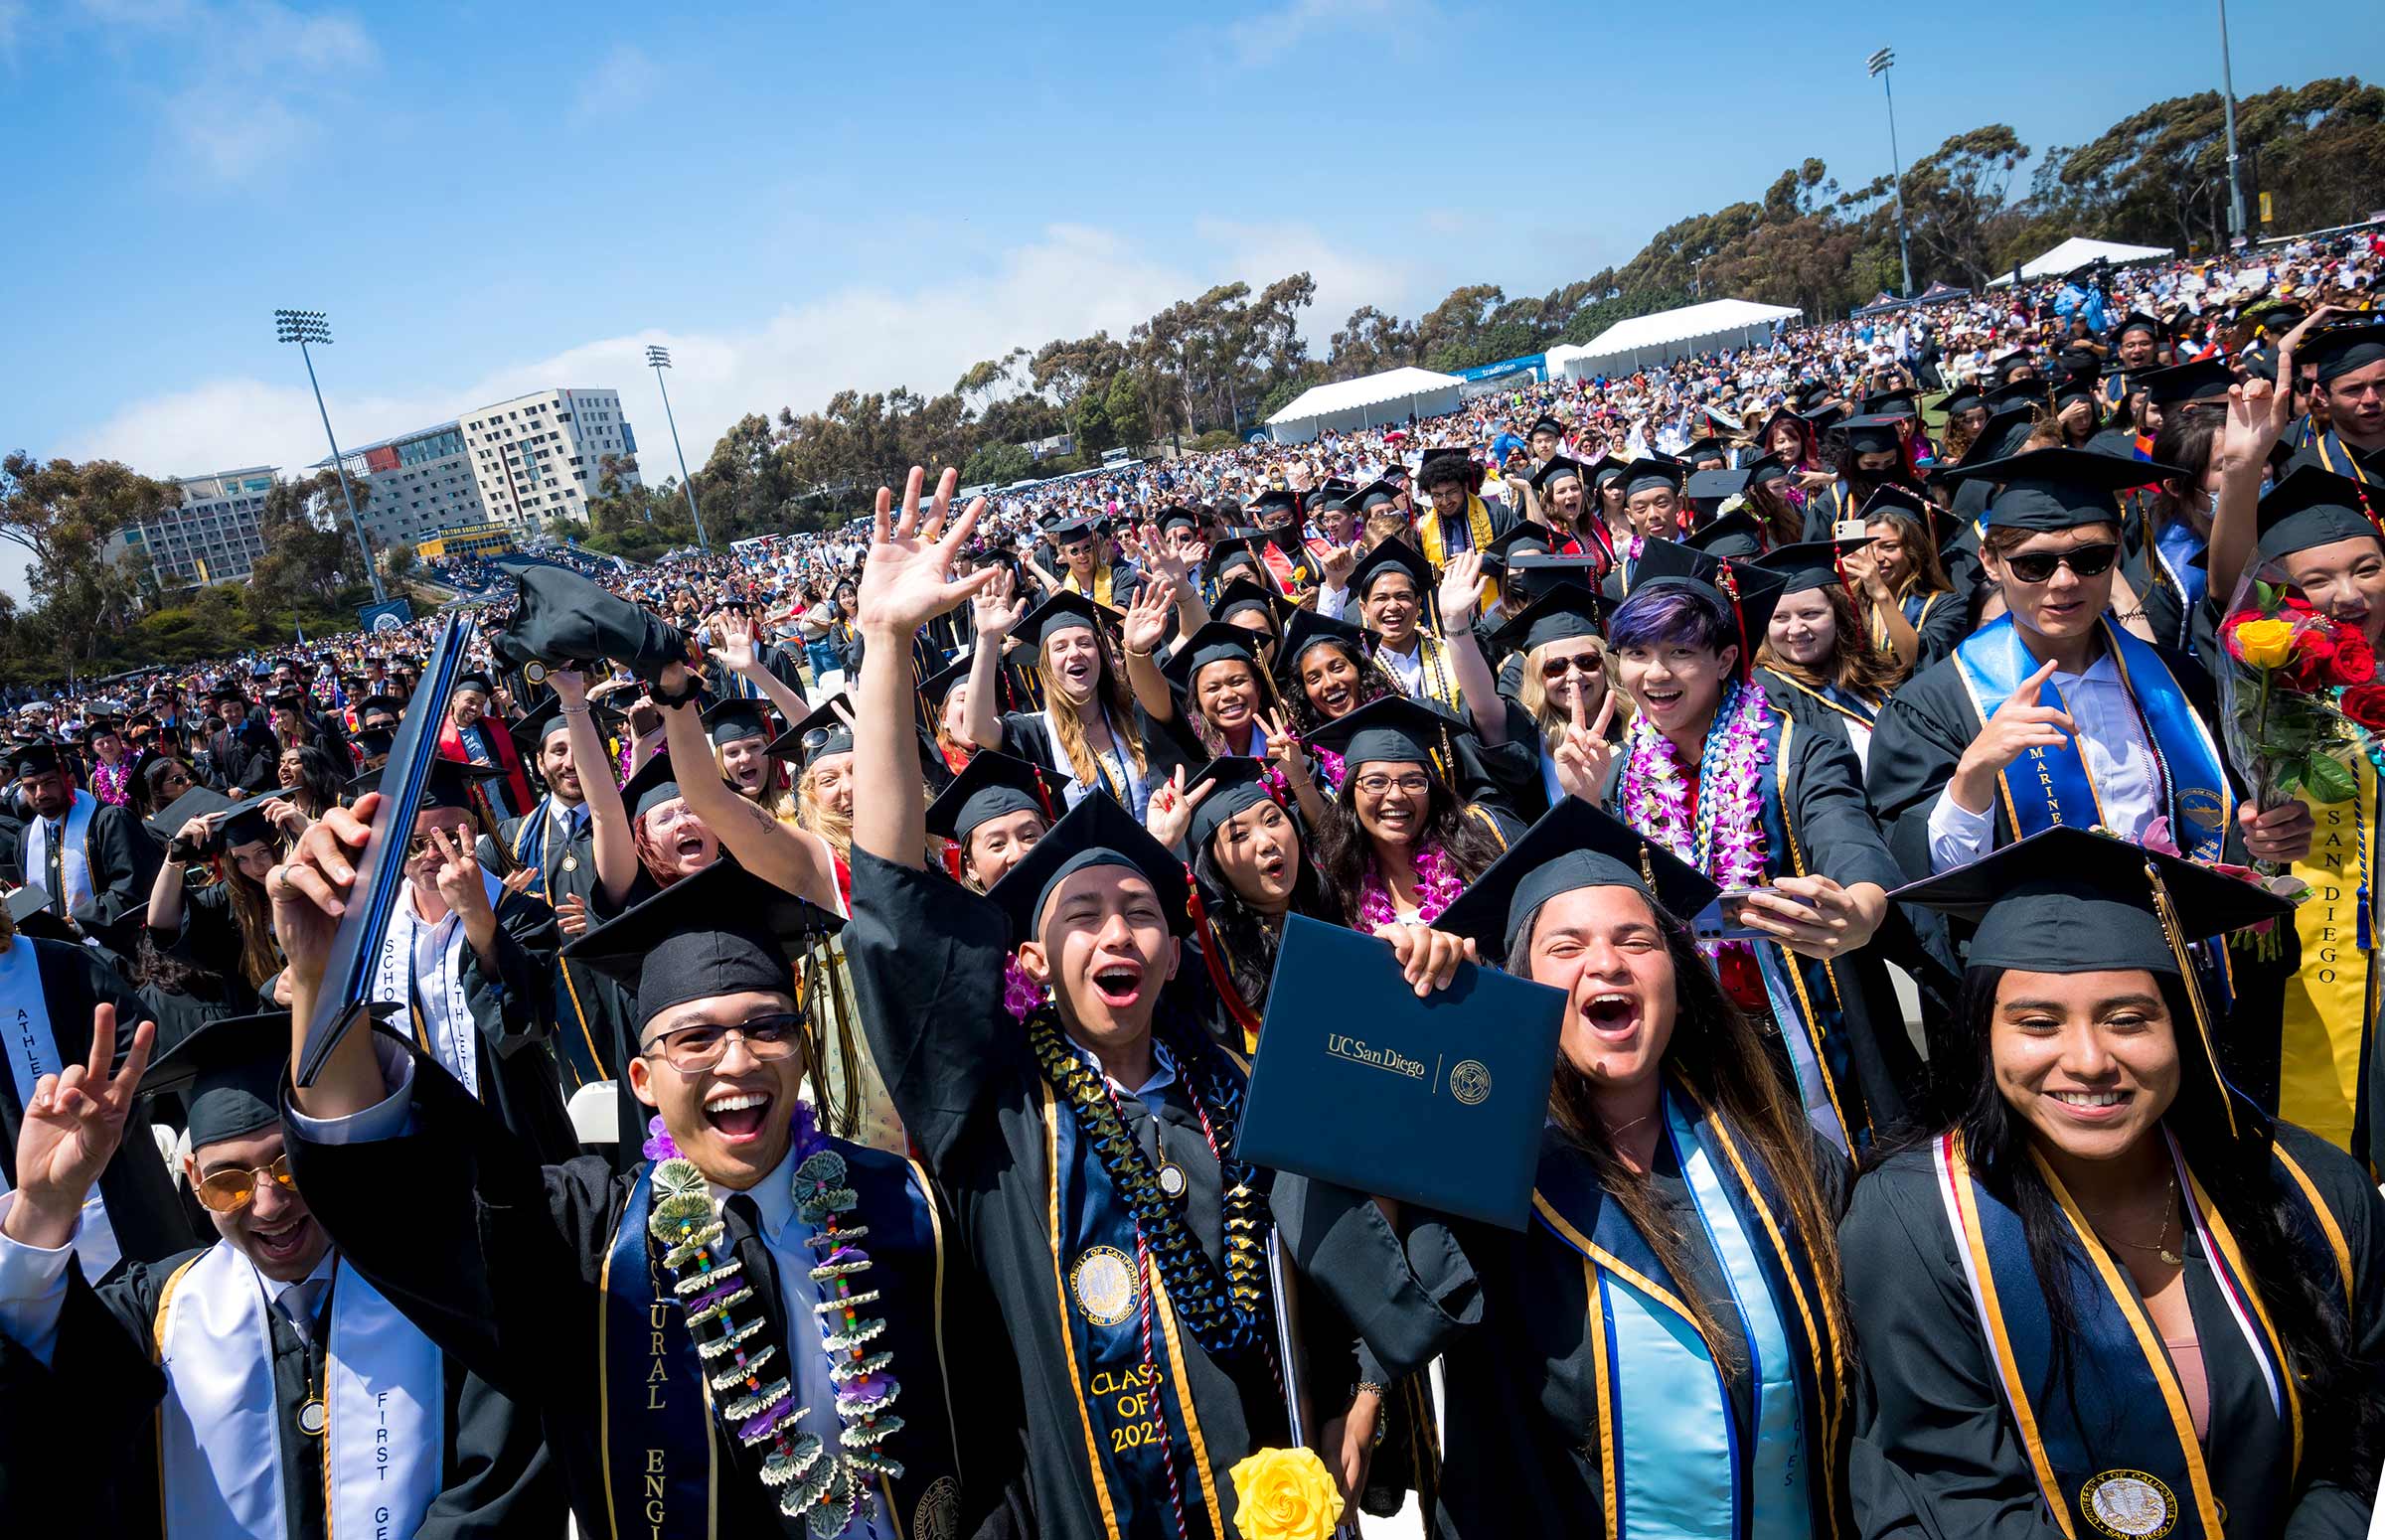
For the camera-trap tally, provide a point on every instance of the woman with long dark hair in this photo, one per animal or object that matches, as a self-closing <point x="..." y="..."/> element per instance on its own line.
<point x="1912" y="610"/>
<point x="1814" y="659"/>
<point x="221" y="928"/>
<point x="1398" y="843"/>
<point x="1325" y="672"/>
<point x="312" y="778"/>
<point x="2110" y="1296"/>
<point x="1663" y="1350"/>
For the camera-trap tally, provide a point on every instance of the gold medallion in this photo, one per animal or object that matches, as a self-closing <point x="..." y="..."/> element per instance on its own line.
<point x="1103" y="1281"/>
<point x="313" y="1417"/>
<point x="2128" y="1505"/>
<point x="1172" y="1179"/>
<point x="570" y="860"/>
<point x="1470" y="1082"/>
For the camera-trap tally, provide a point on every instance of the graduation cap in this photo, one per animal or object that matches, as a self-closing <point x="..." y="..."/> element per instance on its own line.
<point x="1735" y="535"/>
<point x="1097" y="831"/>
<point x="561" y="617"/>
<point x="2206" y="379"/>
<point x="542" y="722"/>
<point x="1447" y="465"/>
<point x="1664" y="562"/>
<point x="1896" y="402"/>
<point x="372" y="743"/>
<point x="1826" y="416"/>
<point x="1566" y="612"/>
<point x="1072" y="527"/>
<point x="1308" y="629"/>
<point x="1809" y="564"/>
<point x="2137" y="321"/>
<point x="937" y="685"/>
<point x="2059" y="489"/>
<point x="450" y="781"/>
<point x="2008" y="427"/>
<point x="1391" y="555"/>
<point x="1962" y="398"/>
<point x="1574" y="845"/>
<point x="1935" y="522"/>
<point x="989" y="786"/>
<point x="228" y="1075"/>
<point x="1376" y="494"/>
<point x="1546" y="424"/>
<point x="227" y="690"/>
<point x="470" y="679"/>
<point x="2078" y="388"/>
<point x="1391" y="729"/>
<point x="373" y="706"/>
<point x="1706" y="448"/>
<point x="31" y="913"/>
<point x="1243" y="595"/>
<point x="730" y="721"/>
<point x="1067" y="610"/>
<point x="1557" y="469"/>
<point x="2069" y="900"/>
<point x="1764" y="469"/>
<point x="1644" y="472"/>
<point x="1237" y="783"/>
<point x="1175" y="518"/>
<point x="653" y="785"/>
<point x="2313" y="507"/>
<point x="1714" y="486"/>
<point x="1275" y="500"/>
<point x="2339" y="349"/>
<point x="36" y="758"/>
<point x="719" y="931"/>
<point x="821" y="733"/>
<point x="1525" y="539"/>
<point x="1216" y="642"/>
<point x="1777" y="416"/>
<point x="1872" y="434"/>
<point x="1609" y="467"/>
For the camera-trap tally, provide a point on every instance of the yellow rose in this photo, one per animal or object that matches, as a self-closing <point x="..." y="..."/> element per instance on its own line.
<point x="1285" y="1495"/>
<point x="2264" y="644"/>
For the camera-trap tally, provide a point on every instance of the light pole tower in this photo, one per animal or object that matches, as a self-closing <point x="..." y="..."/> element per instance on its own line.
<point x="1880" y="64"/>
<point x="309" y="326"/>
<point x="2227" y="97"/>
<point x="659" y="359"/>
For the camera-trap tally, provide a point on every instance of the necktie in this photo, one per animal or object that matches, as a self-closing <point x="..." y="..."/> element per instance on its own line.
<point x="302" y="1302"/>
<point x="56" y="840"/>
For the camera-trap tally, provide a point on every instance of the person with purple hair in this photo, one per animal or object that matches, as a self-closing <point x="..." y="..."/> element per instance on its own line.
<point x="1773" y="810"/>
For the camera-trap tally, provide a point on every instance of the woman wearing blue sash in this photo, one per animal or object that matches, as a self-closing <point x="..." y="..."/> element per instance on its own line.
<point x="1662" y="1351"/>
<point x="1762" y="801"/>
<point x="2110" y="1297"/>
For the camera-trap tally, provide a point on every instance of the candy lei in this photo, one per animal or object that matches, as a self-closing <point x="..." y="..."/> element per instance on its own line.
<point x="1224" y="1316"/>
<point x="1437" y="888"/>
<point x="1726" y="838"/>
<point x="824" y="1488"/>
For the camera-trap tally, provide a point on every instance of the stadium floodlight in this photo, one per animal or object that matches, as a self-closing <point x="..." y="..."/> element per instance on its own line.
<point x="1880" y="65"/>
<point x="658" y="360"/>
<point x="313" y="326"/>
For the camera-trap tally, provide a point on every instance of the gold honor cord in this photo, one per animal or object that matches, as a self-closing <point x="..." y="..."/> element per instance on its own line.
<point x="2167" y="912"/>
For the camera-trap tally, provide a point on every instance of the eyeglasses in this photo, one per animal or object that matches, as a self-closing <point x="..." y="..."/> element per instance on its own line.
<point x="1411" y="785"/>
<point x="1584" y="664"/>
<point x="2036" y="566"/>
<point x="694" y="1049"/>
<point x="423" y="844"/>
<point x="227" y="1193"/>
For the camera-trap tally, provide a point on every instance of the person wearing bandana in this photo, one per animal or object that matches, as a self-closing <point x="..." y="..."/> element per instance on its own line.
<point x="260" y="1387"/>
<point x="2107" y="1295"/>
<point x="760" y="1330"/>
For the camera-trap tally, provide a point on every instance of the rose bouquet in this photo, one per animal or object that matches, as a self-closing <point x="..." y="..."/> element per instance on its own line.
<point x="2283" y="730"/>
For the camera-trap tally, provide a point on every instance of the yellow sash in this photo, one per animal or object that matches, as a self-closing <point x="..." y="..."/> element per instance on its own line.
<point x="2327" y="1002"/>
<point x="1102" y="580"/>
<point x="1478" y="523"/>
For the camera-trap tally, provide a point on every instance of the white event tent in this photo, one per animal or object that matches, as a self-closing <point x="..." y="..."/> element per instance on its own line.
<point x="1364" y="402"/>
<point x="2077" y="252"/>
<point x="1712" y="327"/>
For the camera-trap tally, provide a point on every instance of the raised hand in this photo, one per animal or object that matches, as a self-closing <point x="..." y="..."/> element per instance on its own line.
<point x="1159" y="557"/>
<point x="73" y="1124"/>
<point x="1338" y="562"/>
<point x="1584" y="756"/>
<point x="1461" y="589"/>
<point x="907" y="579"/>
<point x="570" y="687"/>
<point x="1865" y="572"/>
<point x="2258" y="415"/>
<point x="1171" y="811"/>
<point x="309" y="888"/>
<point x="2018" y="725"/>
<point x="1428" y="958"/>
<point x="997" y="608"/>
<point x="1285" y="749"/>
<point x="1147" y="618"/>
<point x="571" y="916"/>
<point x="736" y="650"/>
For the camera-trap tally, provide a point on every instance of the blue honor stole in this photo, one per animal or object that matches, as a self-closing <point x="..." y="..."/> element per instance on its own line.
<point x="1674" y="1456"/>
<point x="1803" y="990"/>
<point x="2173" y="551"/>
<point x="2111" y="1445"/>
<point x="582" y="1059"/>
<point x="2049" y="785"/>
<point x="662" y="1440"/>
<point x="1143" y="1446"/>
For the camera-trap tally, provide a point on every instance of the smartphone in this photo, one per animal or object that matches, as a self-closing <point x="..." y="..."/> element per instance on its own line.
<point x="1848" y="529"/>
<point x="1725" y="919"/>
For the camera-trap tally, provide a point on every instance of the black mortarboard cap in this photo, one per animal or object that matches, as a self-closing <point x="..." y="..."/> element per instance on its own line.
<point x="735" y="719"/>
<point x="1809" y="564"/>
<point x="1644" y="472"/>
<point x="1236" y="783"/>
<point x="2059" y="489"/>
<point x="371" y="704"/>
<point x="1391" y="729"/>
<point x="1764" y="468"/>
<point x="2206" y="379"/>
<point x="822" y="732"/>
<point x="1097" y="831"/>
<point x="1734" y="534"/>
<point x="2134" y="321"/>
<point x="1546" y="424"/>
<point x="248" y="822"/>
<point x="197" y="802"/>
<point x="1375" y="492"/>
<point x="1216" y="642"/>
<point x="229" y="1074"/>
<point x="719" y="931"/>
<point x="2339" y="349"/>
<point x="470" y="679"/>
<point x="1824" y="416"/>
<point x="938" y="685"/>
<point x="990" y="785"/>
<point x="1242" y="594"/>
<point x="561" y="617"/>
<point x="1872" y="434"/>
<point x="1391" y="555"/>
<point x="449" y="784"/>
<point x="38" y="758"/>
<point x="32" y="911"/>
<point x="1964" y="397"/>
<point x="1705" y="448"/>
<point x="1897" y="402"/>
<point x="1938" y="524"/>
<point x="1565" y="612"/>
<point x="1067" y="610"/>
<point x="1663" y="561"/>
<point x="1176" y="517"/>
<point x="1574" y="845"/>
<point x="651" y="785"/>
<point x="1558" y="467"/>
<point x="1525" y="537"/>
<point x="2311" y="506"/>
<point x="1714" y="486"/>
<point x="1306" y="629"/>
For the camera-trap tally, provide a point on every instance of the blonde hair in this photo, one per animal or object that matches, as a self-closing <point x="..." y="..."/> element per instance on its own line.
<point x="817" y="816"/>
<point x="1109" y="693"/>
<point x="1532" y="692"/>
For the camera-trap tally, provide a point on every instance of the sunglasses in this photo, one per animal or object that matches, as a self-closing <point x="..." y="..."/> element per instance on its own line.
<point x="2036" y="566"/>
<point x="227" y="1193"/>
<point x="694" y="1049"/>
<point x="423" y="844"/>
<point x="1586" y="664"/>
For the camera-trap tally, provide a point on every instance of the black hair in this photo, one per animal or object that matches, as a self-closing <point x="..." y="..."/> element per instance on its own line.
<point x="1344" y="850"/>
<point x="1245" y="939"/>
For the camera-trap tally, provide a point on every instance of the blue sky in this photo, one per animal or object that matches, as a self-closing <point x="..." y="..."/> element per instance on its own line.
<point x="495" y="196"/>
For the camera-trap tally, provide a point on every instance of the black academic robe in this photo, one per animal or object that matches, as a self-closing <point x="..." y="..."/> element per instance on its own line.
<point x="150" y="1220"/>
<point x="927" y="968"/>
<point x="503" y="1262"/>
<point x="1509" y="1315"/>
<point x="509" y="1004"/>
<point x="1937" y="1451"/>
<point x="209" y="942"/>
<point x="80" y="1434"/>
<point x="123" y="862"/>
<point x="1025" y="737"/>
<point x="2330" y="452"/>
<point x="585" y="1014"/>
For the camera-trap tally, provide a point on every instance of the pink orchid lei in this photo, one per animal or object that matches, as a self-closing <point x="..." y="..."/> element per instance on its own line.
<point x="1437" y="888"/>
<point x="1726" y="838"/>
<point x="1020" y="994"/>
<point x="1328" y="769"/>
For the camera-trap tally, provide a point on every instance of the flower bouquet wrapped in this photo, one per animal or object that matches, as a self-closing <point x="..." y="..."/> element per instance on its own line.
<point x="2285" y="731"/>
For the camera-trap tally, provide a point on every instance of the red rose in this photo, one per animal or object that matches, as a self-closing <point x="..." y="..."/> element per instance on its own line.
<point x="2355" y="660"/>
<point x="2313" y="662"/>
<point x="2365" y="705"/>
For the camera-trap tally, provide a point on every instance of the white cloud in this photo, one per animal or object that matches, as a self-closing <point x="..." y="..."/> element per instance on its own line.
<point x="1265" y="38"/>
<point x="622" y="79"/>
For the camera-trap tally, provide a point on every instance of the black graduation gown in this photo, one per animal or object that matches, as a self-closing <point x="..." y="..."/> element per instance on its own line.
<point x="208" y="941"/>
<point x="1936" y="1451"/>
<point x="148" y="1220"/>
<point x="80" y="1434"/>
<point x="1509" y="1315"/>
<point x="501" y="1261"/>
<point x="1024" y="736"/>
<point x="586" y="1015"/>
<point x="927" y="966"/>
<point x="123" y="862"/>
<point x="2340" y="457"/>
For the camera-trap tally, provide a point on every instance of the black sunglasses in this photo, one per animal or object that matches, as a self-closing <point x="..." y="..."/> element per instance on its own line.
<point x="2036" y="566"/>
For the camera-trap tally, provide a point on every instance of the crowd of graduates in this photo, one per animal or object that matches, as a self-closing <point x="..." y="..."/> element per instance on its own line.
<point x="799" y="1079"/>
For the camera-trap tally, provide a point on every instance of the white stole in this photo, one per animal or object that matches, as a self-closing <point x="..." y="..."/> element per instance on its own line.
<point x="448" y="1032"/>
<point x="383" y="1455"/>
<point x="74" y="862"/>
<point x="33" y="1053"/>
<point x="1137" y="798"/>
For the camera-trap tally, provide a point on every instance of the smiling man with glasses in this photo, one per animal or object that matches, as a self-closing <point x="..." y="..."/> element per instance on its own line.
<point x="2051" y="714"/>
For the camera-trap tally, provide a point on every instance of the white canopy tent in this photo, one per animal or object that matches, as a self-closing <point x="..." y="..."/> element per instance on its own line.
<point x="2077" y="252"/>
<point x="1368" y="402"/>
<point x="1712" y="327"/>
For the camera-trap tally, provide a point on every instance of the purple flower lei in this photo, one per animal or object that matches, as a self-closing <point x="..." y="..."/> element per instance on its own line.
<point x="1725" y="839"/>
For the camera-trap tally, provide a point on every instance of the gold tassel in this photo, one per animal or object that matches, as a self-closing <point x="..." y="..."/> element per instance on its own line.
<point x="2168" y="913"/>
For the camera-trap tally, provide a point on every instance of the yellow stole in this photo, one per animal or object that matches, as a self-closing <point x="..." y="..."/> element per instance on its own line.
<point x="2329" y="1000"/>
<point x="1477" y="525"/>
<point x="1101" y="584"/>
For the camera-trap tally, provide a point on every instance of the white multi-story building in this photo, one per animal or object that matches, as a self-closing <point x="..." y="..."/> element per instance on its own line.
<point x="540" y="456"/>
<point x="420" y="484"/>
<point x="212" y="538"/>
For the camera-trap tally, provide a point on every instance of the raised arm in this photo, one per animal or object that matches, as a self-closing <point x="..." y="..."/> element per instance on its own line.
<point x="740" y="652"/>
<point x="166" y="893"/>
<point x="2257" y="415"/>
<point x="1146" y="623"/>
<point x="996" y="610"/>
<point x="908" y="583"/>
<point x="616" y="846"/>
<point x="795" y="859"/>
<point x="1460" y="590"/>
